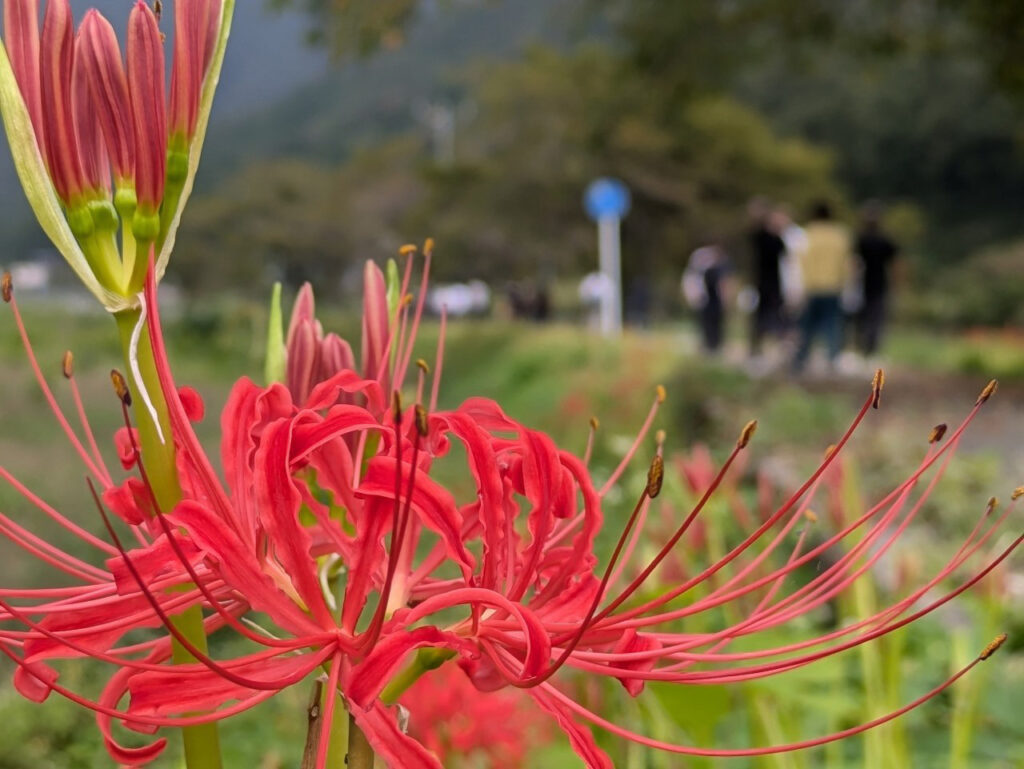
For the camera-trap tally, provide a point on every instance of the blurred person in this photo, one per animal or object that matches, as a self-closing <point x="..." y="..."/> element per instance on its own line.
<point x="876" y="252"/>
<point x="826" y="265"/>
<point x="794" y="238"/>
<point x="594" y="287"/>
<point x="704" y="289"/>
<point x="768" y="249"/>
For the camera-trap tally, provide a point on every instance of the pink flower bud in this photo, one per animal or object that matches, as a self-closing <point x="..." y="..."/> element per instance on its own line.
<point x="146" y="87"/>
<point x="21" y="35"/>
<point x="98" y="56"/>
<point x="92" y="151"/>
<point x="376" y="328"/>
<point x="195" y="34"/>
<point x="60" y="142"/>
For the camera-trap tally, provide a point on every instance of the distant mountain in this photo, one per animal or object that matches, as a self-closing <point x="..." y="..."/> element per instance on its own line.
<point x="278" y="97"/>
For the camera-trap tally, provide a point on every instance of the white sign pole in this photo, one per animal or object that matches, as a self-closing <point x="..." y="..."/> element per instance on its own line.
<point x="610" y="260"/>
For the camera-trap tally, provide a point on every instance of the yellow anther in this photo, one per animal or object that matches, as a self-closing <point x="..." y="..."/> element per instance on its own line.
<point x="67" y="365"/>
<point x="121" y="387"/>
<point x="877" y="383"/>
<point x="748" y="432"/>
<point x="988" y="392"/>
<point x="655" y="476"/>
<point x="993" y="647"/>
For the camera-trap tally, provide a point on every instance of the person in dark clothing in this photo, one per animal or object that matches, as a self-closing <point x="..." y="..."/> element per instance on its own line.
<point x="768" y="250"/>
<point x="704" y="288"/>
<point x="876" y="252"/>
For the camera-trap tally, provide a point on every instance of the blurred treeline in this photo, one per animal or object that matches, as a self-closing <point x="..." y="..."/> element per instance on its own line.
<point x="697" y="106"/>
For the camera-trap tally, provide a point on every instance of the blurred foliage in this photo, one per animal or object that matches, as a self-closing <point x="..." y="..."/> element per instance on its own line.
<point x="916" y="102"/>
<point x="355" y="27"/>
<point x="509" y="206"/>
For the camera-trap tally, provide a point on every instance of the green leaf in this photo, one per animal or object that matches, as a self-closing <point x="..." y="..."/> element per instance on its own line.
<point x="203" y="121"/>
<point x="35" y="180"/>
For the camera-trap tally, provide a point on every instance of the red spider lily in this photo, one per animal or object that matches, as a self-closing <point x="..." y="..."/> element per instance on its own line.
<point x="460" y="724"/>
<point x="331" y="527"/>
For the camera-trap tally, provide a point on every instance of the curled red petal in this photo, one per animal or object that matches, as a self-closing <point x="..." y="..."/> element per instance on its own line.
<point x="389" y="742"/>
<point x="197" y="689"/>
<point x="630" y="642"/>
<point x="239" y="568"/>
<point x="279" y="502"/>
<point x="369" y="677"/>
<point x="433" y="503"/>
<point x="193" y="404"/>
<point x="31" y="681"/>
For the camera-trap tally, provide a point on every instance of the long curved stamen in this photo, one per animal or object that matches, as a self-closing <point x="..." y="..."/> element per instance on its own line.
<point x="9" y="298"/>
<point x="193" y="575"/>
<point x="401" y="519"/>
<point x="671" y="543"/>
<point x="631" y="615"/>
<point x="651" y="490"/>
<point x="659" y="398"/>
<point x="67" y="364"/>
<point x="746" y="752"/>
<point x="202" y="658"/>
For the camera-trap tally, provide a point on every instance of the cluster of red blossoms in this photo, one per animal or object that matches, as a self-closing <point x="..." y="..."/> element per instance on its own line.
<point x="331" y="547"/>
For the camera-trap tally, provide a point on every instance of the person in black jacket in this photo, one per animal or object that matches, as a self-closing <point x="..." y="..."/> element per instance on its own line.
<point x="876" y="252"/>
<point x="768" y="249"/>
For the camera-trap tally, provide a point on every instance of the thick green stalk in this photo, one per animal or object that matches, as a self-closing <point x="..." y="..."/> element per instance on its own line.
<point x="360" y="754"/>
<point x="202" y="742"/>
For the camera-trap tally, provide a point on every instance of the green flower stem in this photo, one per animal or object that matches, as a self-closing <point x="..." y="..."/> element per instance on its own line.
<point x="100" y="251"/>
<point x="202" y="743"/>
<point x="425" y="660"/>
<point x="360" y="754"/>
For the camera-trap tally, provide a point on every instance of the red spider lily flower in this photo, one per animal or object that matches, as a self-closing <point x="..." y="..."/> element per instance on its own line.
<point x="332" y="528"/>
<point x="462" y="725"/>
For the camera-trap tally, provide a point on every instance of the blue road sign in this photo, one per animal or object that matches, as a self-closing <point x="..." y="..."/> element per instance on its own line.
<point x="606" y="198"/>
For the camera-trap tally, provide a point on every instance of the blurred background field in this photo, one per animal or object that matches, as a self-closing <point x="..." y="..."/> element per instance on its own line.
<point x="345" y="129"/>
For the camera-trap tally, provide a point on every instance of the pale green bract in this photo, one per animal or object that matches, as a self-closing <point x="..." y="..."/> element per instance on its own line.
<point x="35" y="180"/>
<point x="196" y="148"/>
<point x="275" y="365"/>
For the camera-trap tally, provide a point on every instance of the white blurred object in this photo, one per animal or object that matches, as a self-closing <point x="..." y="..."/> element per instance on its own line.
<point x="747" y="299"/>
<point x="795" y="239"/>
<point x="694" y="286"/>
<point x="30" y="276"/>
<point x="460" y="299"/>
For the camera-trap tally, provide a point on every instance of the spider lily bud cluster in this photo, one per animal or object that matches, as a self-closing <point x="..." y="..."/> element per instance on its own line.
<point x="331" y="544"/>
<point x="98" y="143"/>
